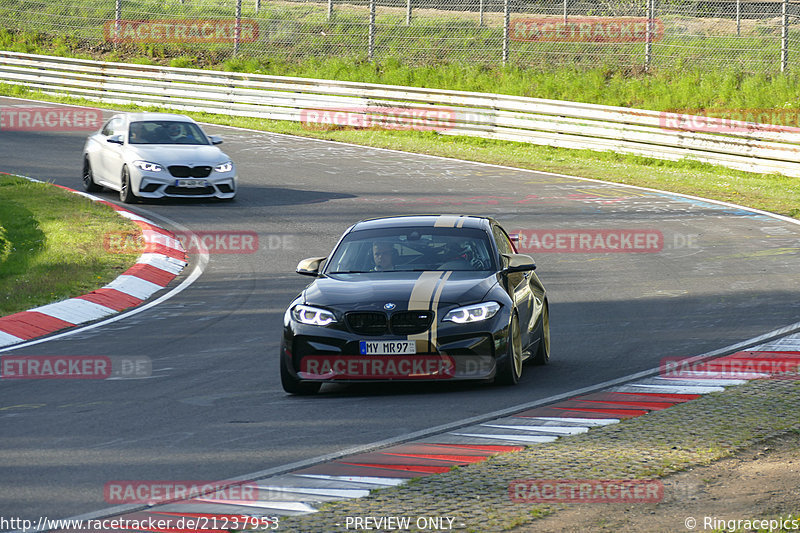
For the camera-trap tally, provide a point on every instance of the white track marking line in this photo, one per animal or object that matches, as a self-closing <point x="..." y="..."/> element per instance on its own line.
<point x="558" y="430"/>
<point x="75" y="310"/>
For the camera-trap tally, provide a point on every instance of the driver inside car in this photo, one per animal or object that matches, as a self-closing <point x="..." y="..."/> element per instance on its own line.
<point x="384" y="256"/>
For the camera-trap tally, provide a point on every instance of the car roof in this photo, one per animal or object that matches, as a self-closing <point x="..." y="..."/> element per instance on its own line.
<point x="406" y="221"/>
<point x="136" y="117"/>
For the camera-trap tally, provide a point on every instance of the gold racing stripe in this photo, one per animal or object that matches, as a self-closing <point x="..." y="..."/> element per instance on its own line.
<point x="447" y="221"/>
<point x="420" y="300"/>
<point x="435" y="306"/>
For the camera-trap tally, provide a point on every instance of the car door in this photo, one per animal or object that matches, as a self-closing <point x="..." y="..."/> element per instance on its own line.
<point x="519" y="288"/>
<point x="95" y="148"/>
<point x="110" y="154"/>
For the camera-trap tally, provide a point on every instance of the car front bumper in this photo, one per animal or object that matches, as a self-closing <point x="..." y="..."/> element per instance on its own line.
<point x="221" y="185"/>
<point x="457" y="353"/>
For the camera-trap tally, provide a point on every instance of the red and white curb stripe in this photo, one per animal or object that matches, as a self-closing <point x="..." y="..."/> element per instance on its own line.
<point x="162" y="259"/>
<point x="304" y="490"/>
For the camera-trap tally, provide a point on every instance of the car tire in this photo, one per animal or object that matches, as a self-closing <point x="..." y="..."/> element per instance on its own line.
<point x="125" y="193"/>
<point x="510" y="371"/>
<point x="88" y="177"/>
<point x="292" y="385"/>
<point x="542" y="356"/>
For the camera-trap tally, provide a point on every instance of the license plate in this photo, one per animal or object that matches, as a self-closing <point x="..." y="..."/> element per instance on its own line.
<point x="190" y="183"/>
<point x="388" y="347"/>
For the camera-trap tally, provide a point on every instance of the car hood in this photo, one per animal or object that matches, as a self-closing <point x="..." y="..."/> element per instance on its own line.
<point x="373" y="290"/>
<point x="178" y="154"/>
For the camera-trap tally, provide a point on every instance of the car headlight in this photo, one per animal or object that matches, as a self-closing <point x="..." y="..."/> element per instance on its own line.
<point x="314" y="316"/>
<point x="148" y="166"/>
<point x="472" y="313"/>
<point x="224" y="167"/>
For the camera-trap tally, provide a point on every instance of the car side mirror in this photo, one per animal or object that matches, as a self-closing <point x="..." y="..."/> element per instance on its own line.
<point x="518" y="263"/>
<point x="115" y="139"/>
<point x="215" y="139"/>
<point x="310" y="266"/>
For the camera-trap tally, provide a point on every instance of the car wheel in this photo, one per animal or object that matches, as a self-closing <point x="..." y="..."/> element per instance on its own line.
<point x="292" y="385"/>
<point x="510" y="370"/>
<point x="88" y="177"/>
<point x="125" y="193"/>
<point x="542" y="356"/>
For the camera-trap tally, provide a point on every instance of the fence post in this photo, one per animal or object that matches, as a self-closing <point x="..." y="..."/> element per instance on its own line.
<point x="480" y="12"/>
<point x="330" y="9"/>
<point x="648" y="43"/>
<point x="565" y="11"/>
<point x="784" y="35"/>
<point x="738" y="17"/>
<point x="506" y="22"/>
<point x="117" y="20"/>
<point x="408" y="12"/>
<point x="371" y="37"/>
<point x="237" y="29"/>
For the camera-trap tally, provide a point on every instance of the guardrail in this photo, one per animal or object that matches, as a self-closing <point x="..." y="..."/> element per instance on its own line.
<point x="742" y="145"/>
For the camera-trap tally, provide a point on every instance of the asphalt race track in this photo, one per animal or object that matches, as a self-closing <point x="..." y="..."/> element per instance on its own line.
<point x="214" y="407"/>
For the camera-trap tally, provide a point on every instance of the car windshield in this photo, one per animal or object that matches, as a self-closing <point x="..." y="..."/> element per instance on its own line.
<point x="165" y="132"/>
<point x="412" y="249"/>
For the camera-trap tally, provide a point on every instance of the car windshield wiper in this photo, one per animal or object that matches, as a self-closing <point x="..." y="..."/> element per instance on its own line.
<point x="349" y="272"/>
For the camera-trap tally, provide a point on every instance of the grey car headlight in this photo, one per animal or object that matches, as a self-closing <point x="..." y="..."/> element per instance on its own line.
<point x="472" y="313"/>
<point x="314" y="316"/>
<point x="147" y="166"/>
<point x="224" y="167"/>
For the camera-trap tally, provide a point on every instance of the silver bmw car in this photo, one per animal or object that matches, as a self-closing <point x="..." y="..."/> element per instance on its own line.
<point x="156" y="155"/>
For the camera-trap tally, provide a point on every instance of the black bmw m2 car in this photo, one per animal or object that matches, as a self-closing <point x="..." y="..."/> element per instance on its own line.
<point x="418" y="297"/>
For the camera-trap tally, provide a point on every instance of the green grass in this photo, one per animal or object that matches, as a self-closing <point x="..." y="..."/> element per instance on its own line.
<point x="52" y="245"/>
<point x="770" y="192"/>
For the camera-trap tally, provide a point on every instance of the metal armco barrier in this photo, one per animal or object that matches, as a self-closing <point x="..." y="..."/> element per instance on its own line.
<point x="745" y="146"/>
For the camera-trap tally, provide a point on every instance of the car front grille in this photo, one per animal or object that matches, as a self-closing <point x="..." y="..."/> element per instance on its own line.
<point x="411" y="322"/>
<point x="182" y="171"/>
<point x="401" y="323"/>
<point x="364" y="323"/>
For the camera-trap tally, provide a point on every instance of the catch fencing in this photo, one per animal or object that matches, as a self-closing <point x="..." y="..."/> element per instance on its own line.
<point x="751" y="35"/>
